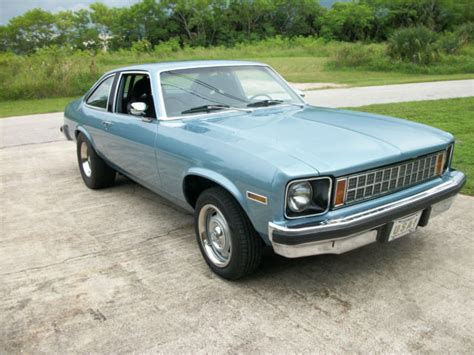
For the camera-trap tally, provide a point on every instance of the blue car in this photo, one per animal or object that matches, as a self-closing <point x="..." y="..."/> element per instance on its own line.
<point x="233" y="143"/>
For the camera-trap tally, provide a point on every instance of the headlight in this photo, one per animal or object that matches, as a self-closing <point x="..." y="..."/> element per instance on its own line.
<point x="307" y="197"/>
<point x="299" y="196"/>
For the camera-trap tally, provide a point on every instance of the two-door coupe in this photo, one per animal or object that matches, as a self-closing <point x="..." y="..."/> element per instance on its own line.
<point x="233" y="142"/>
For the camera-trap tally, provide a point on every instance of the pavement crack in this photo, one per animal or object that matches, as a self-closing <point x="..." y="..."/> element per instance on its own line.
<point x="98" y="253"/>
<point x="30" y="143"/>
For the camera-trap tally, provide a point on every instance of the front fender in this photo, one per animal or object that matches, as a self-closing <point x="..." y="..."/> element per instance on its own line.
<point x="222" y="181"/>
<point x="257" y="213"/>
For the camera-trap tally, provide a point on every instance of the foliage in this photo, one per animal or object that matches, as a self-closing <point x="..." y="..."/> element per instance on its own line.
<point x="58" y="72"/>
<point x="465" y="32"/>
<point x="35" y="29"/>
<point x="450" y="43"/>
<point x="205" y="23"/>
<point x="348" y="22"/>
<point x="356" y="55"/>
<point x="415" y="44"/>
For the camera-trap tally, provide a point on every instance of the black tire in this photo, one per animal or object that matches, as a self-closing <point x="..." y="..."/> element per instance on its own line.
<point x="99" y="175"/>
<point x="246" y="244"/>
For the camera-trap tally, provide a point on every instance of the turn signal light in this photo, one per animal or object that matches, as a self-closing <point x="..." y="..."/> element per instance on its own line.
<point x="440" y="158"/>
<point x="340" y="192"/>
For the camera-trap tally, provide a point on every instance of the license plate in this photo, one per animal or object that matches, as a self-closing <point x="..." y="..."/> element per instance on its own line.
<point x="404" y="226"/>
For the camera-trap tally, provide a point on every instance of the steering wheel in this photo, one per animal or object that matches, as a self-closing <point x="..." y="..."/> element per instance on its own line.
<point x="262" y="95"/>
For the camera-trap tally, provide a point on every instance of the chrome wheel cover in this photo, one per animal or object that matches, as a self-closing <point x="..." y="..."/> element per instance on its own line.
<point x="214" y="235"/>
<point x="85" y="159"/>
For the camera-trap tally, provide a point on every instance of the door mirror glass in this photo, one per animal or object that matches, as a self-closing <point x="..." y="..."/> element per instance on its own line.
<point x="138" y="108"/>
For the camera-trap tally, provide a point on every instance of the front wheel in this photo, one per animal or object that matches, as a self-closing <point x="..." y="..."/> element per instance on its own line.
<point x="227" y="240"/>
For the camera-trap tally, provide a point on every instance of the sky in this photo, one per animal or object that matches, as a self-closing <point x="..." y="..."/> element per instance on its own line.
<point x="12" y="8"/>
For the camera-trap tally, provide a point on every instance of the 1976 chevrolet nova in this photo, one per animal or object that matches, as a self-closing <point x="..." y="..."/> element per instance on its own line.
<point x="233" y="142"/>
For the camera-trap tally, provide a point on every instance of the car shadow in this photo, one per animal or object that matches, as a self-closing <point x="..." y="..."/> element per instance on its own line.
<point x="374" y="260"/>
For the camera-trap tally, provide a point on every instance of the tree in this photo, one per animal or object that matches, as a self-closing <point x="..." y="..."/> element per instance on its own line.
<point x="251" y="19"/>
<point x="349" y="22"/>
<point x="147" y="20"/>
<point x="76" y="30"/>
<point x="34" y="29"/>
<point x="296" y="18"/>
<point x="3" y="38"/>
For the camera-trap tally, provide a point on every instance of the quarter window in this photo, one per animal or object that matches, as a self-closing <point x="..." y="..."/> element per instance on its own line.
<point x="100" y="95"/>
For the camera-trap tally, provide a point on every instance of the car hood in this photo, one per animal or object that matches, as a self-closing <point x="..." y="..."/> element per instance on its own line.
<point x="331" y="141"/>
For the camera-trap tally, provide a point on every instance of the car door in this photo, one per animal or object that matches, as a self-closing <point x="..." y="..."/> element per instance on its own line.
<point x="97" y="111"/>
<point x="130" y="139"/>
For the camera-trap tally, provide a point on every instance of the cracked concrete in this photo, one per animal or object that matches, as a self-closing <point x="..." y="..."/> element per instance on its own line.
<point x="119" y="270"/>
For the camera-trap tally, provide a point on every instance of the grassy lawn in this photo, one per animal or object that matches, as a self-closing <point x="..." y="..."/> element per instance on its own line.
<point x="453" y="115"/>
<point x="314" y="70"/>
<point x="51" y="74"/>
<point x="293" y="69"/>
<point x="31" y="107"/>
<point x="308" y="69"/>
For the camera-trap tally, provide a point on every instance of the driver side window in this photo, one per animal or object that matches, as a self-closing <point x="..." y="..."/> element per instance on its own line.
<point x="133" y="88"/>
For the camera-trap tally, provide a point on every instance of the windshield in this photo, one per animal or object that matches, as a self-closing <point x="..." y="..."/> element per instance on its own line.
<point x="205" y="90"/>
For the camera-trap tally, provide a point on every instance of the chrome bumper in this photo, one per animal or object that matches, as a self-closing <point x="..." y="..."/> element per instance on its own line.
<point x="341" y="235"/>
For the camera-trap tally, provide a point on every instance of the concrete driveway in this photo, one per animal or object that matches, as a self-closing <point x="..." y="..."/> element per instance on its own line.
<point x="369" y="95"/>
<point x="119" y="270"/>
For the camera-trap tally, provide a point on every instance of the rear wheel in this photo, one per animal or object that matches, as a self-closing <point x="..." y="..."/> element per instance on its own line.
<point x="227" y="240"/>
<point x="94" y="170"/>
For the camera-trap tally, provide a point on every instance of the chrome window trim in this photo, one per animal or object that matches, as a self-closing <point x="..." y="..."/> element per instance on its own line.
<point x="308" y="179"/>
<point x="165" y="117"/>
<point x="92" y="90"/>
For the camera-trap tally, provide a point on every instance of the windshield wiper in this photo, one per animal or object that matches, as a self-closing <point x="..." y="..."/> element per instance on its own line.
<point x="210" y="108"/>
<point x="264" y="103"/>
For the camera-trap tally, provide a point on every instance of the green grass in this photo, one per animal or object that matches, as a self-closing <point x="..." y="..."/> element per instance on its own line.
<point x="31" y="107"/>
<point x="293" y="69"/>
<point x="54" y="72"/>
<point x="453" y="115"/>
<point x="314" y="69"/>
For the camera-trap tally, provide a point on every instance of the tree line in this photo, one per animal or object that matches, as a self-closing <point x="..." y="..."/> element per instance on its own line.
<point x="225" y="22"/>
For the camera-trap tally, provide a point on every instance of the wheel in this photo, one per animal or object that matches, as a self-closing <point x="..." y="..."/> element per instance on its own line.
<point x="94" y="170"/>
<point x="227" y="240"/>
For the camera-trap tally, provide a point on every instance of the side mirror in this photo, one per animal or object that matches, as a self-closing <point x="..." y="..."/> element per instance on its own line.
<point x="138" y="108"/>
<point x="299" y="92"/>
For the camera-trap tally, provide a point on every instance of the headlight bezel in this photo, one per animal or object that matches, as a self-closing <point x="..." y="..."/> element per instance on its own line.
<point x="314" y="208"/>
<point x="449" y="157"/>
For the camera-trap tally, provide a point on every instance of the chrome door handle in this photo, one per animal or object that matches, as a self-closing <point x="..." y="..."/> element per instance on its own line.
<point x="106" y="124"/>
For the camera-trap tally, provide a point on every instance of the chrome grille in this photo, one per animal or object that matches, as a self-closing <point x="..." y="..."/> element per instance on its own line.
<point x="378" y="182"/>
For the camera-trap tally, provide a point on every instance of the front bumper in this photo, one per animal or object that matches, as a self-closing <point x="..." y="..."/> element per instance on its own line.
<point x="341" y="235"/>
